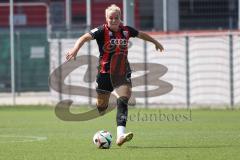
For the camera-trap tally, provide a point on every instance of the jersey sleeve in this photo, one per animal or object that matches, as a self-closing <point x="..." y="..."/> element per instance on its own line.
<point x="96" y="32"/>
<point x="133" y="32"/>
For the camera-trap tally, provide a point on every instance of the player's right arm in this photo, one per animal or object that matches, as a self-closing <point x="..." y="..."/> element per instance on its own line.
<point x="72" y="53"/>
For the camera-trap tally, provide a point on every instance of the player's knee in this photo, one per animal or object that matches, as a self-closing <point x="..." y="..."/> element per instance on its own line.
<point x="102" y="100"/>
<point x="102" y="105"/>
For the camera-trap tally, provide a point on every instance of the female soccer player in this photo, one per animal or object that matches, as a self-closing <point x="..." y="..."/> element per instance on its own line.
<point x="112" y="39"/>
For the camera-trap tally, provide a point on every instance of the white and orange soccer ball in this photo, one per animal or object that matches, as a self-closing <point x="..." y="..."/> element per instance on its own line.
<point x="102" y="139"/>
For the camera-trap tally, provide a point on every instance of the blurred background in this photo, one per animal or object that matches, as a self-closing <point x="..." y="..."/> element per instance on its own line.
<point x="201" y="40"/>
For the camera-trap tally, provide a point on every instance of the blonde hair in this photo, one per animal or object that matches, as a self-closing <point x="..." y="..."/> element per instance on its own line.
<point x="113" y="8"/>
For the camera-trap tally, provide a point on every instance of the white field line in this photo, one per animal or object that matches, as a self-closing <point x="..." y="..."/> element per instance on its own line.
<point x="10" y="138"/>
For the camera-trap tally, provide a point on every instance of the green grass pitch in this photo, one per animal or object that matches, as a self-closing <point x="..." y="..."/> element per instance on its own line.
<point x="35" y="133"/>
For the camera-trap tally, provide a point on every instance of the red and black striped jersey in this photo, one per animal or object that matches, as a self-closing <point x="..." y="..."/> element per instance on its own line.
<point x="112" y="44"/>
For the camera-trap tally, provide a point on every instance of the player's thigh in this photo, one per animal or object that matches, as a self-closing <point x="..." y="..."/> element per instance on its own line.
<point x="103" y="99"/>
<point x="124" y="90"/>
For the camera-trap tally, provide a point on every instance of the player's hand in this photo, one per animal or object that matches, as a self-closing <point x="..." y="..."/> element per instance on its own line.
<point x="158" y="46"/>
<point x="71" y="55"/>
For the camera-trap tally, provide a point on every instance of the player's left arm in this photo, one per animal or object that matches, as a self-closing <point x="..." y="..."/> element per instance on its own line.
<point x="146" y="37"/>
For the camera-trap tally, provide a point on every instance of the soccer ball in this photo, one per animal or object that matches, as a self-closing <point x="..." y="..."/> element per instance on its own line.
<point x="102" y="139"/>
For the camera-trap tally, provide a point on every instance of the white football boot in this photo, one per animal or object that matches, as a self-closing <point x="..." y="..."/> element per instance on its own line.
<point x="124" y="138"/>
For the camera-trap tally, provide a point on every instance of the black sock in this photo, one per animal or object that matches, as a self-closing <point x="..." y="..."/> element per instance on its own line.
<point x="122" y="111"/>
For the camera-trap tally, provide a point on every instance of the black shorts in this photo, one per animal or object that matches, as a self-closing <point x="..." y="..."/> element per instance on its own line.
<point x="106" y="83"/>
